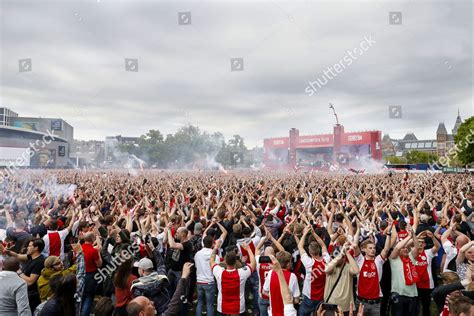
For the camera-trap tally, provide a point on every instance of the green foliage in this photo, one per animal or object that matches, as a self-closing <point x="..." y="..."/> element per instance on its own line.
<point x="396" y="160"/>
<point x="188" y="146"/>
<point x="415" y="156"/>
<point x="464" y="140"/>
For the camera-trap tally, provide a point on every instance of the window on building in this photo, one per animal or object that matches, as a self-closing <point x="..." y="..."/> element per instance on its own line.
<point x="428" y="144"/>
<point x="421" y="145"/>
<point x="408" y="145"/>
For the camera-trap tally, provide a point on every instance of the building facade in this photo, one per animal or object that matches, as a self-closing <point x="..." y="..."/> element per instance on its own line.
<point x="440" y="145"/>
<point x="87" y="152"/>
<point x="46" y="141"/>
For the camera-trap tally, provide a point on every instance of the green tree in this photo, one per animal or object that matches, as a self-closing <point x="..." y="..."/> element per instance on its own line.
<point x="416" y="156"/>
<point x="188" y="146"/>
<point x="236" y="149"/>
<point x="396" y="160"/>
<point x="464" y="140"/>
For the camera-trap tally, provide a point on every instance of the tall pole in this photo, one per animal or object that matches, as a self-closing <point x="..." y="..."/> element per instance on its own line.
<point x="334" y="111"/>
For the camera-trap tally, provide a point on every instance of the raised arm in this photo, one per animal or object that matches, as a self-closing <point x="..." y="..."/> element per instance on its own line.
<point x="396" y="251"/>
<point x="302" y="240"/>
<point x="333" y="263"/>
<point x="223" y="231"/>
<point x="445" y="235"/>
<point x="331" y="218"/>
<point x="462" y="251"/>
<point x="246" y="247"/>
<point x="212" y="260"/>
<point x="284" y="289"/>
<point x="388" y="242"/>
<point x="173" y="244"/>
<point x="415" y="251"/>
<point x="436" y="244"/>
<point x="353" y="267"/>
<point x="260" y="244"/>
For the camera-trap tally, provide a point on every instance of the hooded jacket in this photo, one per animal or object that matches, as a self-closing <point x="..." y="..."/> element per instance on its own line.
<point x="154" y="287"/>
<point x="46" y="275"/>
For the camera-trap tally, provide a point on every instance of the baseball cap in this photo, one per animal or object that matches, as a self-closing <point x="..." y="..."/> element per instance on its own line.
<point x="144" y="264"/>
<point x="424" y="217"/>
<point x="197" y="228"/>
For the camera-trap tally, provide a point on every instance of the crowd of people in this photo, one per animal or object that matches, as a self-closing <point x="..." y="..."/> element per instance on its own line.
<point x="240" y="243"/>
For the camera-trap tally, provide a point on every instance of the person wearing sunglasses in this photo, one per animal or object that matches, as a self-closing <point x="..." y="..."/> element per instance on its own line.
<point x="52" y="266"/>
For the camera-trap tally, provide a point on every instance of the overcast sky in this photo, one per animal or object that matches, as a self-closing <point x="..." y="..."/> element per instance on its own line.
<point x="78" y="51"/>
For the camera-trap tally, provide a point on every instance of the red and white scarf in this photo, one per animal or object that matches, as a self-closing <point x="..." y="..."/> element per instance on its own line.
<point x="411" y="276"/>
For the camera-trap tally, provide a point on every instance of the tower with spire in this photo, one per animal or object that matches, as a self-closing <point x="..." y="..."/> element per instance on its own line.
<point x="457" y="123"/>
<point x="444" y="140"/>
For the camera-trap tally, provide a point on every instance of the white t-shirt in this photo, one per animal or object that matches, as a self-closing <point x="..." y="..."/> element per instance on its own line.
<point x="203" y="268"/>
<point x="451" y="253"/>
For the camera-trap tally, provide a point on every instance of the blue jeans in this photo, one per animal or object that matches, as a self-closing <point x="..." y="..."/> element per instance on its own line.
<point x="208" y="291"/>
<point x="173" y="277"/>
<point x="252" y="282"/>
<point x="90" y="287"/>
<point x="263" y="306"/>
<point x="307" y="306"/>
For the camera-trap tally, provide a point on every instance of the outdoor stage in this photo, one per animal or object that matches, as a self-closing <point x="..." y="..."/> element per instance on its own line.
<point x="322" y="151"/>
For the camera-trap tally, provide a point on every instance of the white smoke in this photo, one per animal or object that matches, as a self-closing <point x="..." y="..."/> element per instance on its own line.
<point x="52" y="188"/>
<point x="370" y="165"/>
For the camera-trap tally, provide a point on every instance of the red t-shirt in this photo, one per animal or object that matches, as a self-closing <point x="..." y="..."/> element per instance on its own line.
<point x="423" y="267"/>
<point x="369" y="276"/>
<point x="402" y="234"/>
<point x="91" y="255"/>
<point x="123" y="296"/>
<point x="263" y="270"/>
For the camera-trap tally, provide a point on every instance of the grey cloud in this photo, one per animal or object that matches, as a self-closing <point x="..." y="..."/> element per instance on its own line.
<point x="78" y="50"/>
